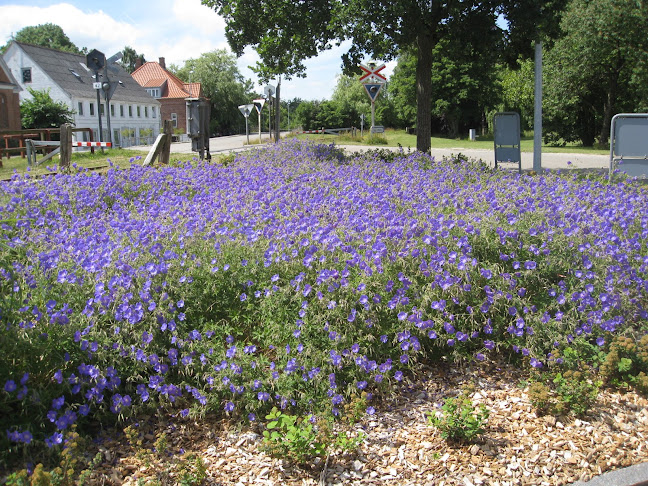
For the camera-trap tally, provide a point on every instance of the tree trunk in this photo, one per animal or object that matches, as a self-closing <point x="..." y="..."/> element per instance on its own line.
<point x="608" y="112"/>
<point x="423" y="92"/>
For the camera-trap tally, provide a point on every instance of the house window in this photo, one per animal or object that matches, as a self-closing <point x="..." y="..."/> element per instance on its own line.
<point x="102" y="111"/>
<point x="153" y="112"/>
<point x="130" y="110"/>
<point x="91" y="109"/>
<point x="27" y="75"/>
<point x="121" y="110"/>
<point x="139" y="114"/>
<point x="174" y="119"/>
<point x="112" y="110"/>
<point x="80" y="108"/>
<point x="146" y="111"/>
<point x="154" y="92"/>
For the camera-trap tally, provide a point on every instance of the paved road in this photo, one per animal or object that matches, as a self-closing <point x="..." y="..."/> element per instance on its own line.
<point x="554" y="161"/>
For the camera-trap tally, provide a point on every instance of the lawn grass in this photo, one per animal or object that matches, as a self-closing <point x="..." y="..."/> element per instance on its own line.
<point x="399" y="137"/>
<point x="86" y="160"/>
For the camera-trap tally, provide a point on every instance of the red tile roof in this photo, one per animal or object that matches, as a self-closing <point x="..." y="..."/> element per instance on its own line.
<point x="154" y="83"/>
<point x="151" y="74"/>
<point x="194" y="89"/>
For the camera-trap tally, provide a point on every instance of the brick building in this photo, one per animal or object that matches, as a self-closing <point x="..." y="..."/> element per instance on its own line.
<point x="172" y="93"/>
<point x="9" y="99"/>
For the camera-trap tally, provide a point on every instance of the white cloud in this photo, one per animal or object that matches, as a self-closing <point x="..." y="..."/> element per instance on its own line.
<point x="95" y="30"/>
<point x="174" y="29"/>
<point x="200" y="17"/>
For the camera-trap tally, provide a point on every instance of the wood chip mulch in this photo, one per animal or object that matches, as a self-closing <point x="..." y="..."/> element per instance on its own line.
<point x="518" y="447"/>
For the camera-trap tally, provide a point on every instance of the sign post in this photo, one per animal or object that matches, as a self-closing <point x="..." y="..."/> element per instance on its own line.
<point x="258" y="104"/>
<point x="373" y="81"/>
<point x="109" y="88"/>
<point x="246" y="110"/>
<point x="269" y="91"/>
<point x="95" y="60"/>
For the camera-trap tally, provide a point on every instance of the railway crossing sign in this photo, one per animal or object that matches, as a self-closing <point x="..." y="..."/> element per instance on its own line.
<point x="373" y="81"/>
<point x="372" y="74"/>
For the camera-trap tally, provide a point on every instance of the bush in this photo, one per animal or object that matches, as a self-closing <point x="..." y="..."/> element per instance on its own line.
<point x="458" y="420"/>
<point x="627" y="363"/>
<point x="41" y="111"/>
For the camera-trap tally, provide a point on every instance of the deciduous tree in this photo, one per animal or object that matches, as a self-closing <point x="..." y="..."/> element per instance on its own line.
<point x="598" y="68"/>
<point x="129" y="59"/>
<point x="46" y="35"/>
<point x="284" y="33"/>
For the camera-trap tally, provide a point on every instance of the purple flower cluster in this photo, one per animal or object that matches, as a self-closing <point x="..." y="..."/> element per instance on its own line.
<point x="294" y="275"/>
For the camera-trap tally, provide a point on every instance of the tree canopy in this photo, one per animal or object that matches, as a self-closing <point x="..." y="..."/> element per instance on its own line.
<point x="129" y="59"/>
<point x="46" y="35"/>
<point x="598" y="67"/>
<point x="285" y="33"/>
<point x="41" y="111"/>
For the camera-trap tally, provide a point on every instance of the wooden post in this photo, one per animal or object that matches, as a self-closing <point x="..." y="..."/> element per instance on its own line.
<point x="66" y="146"/>
<point x="166" y="147"/>
<point x="155" y="149"/>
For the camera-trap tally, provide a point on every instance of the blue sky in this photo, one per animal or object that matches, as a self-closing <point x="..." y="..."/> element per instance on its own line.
<point x="174" y="29"/>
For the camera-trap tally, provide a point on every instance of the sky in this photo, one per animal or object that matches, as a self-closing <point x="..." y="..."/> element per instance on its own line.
<point x="174" y="29"/>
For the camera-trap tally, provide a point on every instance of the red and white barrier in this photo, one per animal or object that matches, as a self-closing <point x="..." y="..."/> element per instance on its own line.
<point x="91" y="144"/>
<point x="312" y="131"/>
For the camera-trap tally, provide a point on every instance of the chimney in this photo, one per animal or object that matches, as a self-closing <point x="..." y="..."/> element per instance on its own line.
<point x="162" y="63"/>
<point x="138" y="62"/>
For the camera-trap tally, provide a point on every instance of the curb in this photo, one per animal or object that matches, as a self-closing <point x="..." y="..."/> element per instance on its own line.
<point x="636" y="475"/>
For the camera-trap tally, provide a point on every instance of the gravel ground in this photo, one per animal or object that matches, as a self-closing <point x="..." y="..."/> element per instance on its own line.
<point x="518" y="447"/>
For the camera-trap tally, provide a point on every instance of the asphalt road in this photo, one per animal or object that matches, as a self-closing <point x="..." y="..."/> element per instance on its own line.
<point x="554" y="161"/>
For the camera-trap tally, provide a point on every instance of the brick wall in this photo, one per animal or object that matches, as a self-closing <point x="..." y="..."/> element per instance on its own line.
<point x="177" y="106"/>
<point x="14" y="111"/>
<point x="9" y="110"/>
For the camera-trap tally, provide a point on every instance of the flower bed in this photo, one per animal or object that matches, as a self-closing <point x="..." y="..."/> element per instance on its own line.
<point x="297" y="278"/>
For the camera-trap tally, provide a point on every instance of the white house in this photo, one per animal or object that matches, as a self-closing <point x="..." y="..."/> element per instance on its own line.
<point x="134" y="114"/>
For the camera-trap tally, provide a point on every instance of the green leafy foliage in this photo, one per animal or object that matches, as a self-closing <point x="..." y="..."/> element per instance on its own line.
<point x="192" y="470"/>
<point x="458" y="420"/>
<point x="561" y="393"/>
<point x="41" y="111"/>
<point x="223" y="84"/>
<point x="381" y="29"/>
<point x="292" y="437"/>
<point x="597" y="69"/>
<point x="129" y="59"/>
<point x="46" y="35"/>
<point x="300" y="439"/>
<point x="627" y="363"/>
<point x="517" y="90"/>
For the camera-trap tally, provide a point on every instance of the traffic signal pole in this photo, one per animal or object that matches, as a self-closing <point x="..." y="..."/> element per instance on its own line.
<point x="99" y="108"/>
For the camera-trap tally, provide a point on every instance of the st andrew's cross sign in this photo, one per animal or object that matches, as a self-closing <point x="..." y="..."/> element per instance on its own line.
<point x="372" y="74"/>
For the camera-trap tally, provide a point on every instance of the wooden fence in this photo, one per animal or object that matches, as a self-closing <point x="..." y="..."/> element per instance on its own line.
<point x="13" y="141"/>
